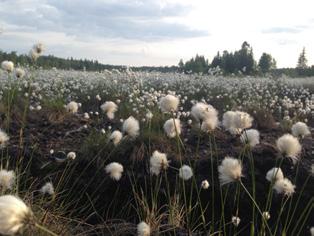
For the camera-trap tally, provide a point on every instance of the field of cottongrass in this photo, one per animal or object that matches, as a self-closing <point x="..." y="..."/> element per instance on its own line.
<point x="125" y="153"/>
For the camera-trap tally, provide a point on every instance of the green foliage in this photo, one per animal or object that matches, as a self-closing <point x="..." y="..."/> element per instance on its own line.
<point x="302" y="60"/>
<point x="266" y="63"/>
<point x="196" y="65"/>
<point x="241" y="61"/>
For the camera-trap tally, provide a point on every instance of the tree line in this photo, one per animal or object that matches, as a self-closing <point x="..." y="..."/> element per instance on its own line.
<point x="240" y="62"/>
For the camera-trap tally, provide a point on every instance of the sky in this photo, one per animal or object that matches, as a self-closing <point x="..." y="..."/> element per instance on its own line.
<point x="158" y="32"/>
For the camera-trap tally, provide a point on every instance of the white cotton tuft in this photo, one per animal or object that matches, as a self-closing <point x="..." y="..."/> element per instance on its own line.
<point x="143" y="229"/>
<point x="242" y="120"/>
<point x="169" y="103"/>
<point x="115" y="170"/>
<point x="72" y="107"/>
<point x="116" y="137"/>
<point x="230" y="170"/>
<point x="284" y="186"/>
<point x="19" y="73"/>
<point x="149" y="115"/>
<point x="289" y="146"/>
<point x="109" y="108"/>
<point x="39" y="48"/>
<point x="158" y="162"/>
<point x="250" y="136"/>
<point x="209" y="124"/>
<point x="172" y="127"/>
<point x="7" y="179"/>
<point x="185" y="172"/>
<point x="7" y="66"/>
<point x="71" y="155"/>
<point x="201" y="112"/>
<point x="236" y="121"/>
<point x="4" y="138"/>
<point x="48" y="189"/>
<point x="205" y="184"/>
<point x="274" y="174"/>
<point x="131" y="127"/>
<point x="266" y="215"/>
<point x="300" y="129"/>
<point x="13" y="214"/>
<point x="235" y="220"/>
<point x="228" y="122"/>
<point x="312" y="231"/>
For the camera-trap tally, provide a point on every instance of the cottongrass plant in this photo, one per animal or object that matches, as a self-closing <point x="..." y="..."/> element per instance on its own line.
<point x="131" y="127"/>
<point x="274" y="174"/>
<point x="251" y="137"/>
<point x="230" y="170"/>
<point x="284" y="186"/>
<point x="169" y="103"/>
<point x="143" y="229"/>
<point x="15" y="216"/>
<point x="300" y="129"/>
<point x="166" y="204"/>
<point x="8" y="66"/>
<point x="116" y="137"/>
<point x="185" y="172"/>
<point x="48" y="188"/>
<point x="289" y="146"/>
<point x="172" y="127"/>
<point x="72" y="107"/>
<point x="109" y="108"/>
<point x="158" y="162"/>
<point x="4" y="138"/>
<point x="115" y="170"/>
<point x="7" y="179"/>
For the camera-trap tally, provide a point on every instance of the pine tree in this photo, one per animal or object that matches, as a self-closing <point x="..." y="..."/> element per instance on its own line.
<point x="302" y="61"/>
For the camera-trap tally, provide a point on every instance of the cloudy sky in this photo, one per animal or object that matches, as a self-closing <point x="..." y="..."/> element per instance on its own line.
<point x="158" y="32"/>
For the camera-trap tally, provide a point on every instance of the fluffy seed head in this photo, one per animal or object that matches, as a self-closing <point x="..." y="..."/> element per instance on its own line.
<point x="205" y="184"/>
<point x="289" y="146"/>
<point x="158" y="162"/>
<point x="300" y="129"/>
<point x="4" y="138"/>
<point x="185" y="172"/>
<point x="109" y="108"/>
<point x="13" y="214"/>
<point x="284" y="186"/>
<point x="116" y="137"/>
<point x="72" y="107"/>
<point x="201" y="112"/>
<point x="235" y="220"/>
<point x="38" y="48"/>
<point x="230" y="170"/>
<point x="242" y="120"/>
<point x="143" y="229"/>
<point x="172" y="127"/>
<point x="209" y="124"/>
<point x="131" y="127"/>
<point x="71" y="155"/>
<point x="47" y="189"/>
<point x="115" y="170"/>
<point x="228" y="122"/>
<point x="7" y="66"/>
<point x="149" y="115"/>
<point x="7" y="179"/>
<point x="266" y="215"/>
<point x="169" y="103"/>
<point x="274" y="174"/>
<point x="250" y="136"/>
<point x="312" y="231"/>
<point x="19" y="73"/>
